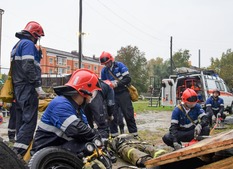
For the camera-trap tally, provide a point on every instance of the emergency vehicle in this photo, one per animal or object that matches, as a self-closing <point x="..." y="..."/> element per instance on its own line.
<point x="202" y="81"/>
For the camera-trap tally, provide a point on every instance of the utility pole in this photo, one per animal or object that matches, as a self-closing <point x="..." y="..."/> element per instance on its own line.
<point x="1" y="13"/>
<point x="199" y="58"/>
<point x="171" y="55"/>
<point x="80" y="34"/>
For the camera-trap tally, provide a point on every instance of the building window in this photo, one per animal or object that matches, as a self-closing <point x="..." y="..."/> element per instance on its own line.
<point x="68" y="68"/>
<point x="50" y="71"/>
<point x="89" y="67"/>
<point x="82" y="66"/>
<point x="95" y="68"/>
<point x="76" y="65"/>
<point x="61" y="61"/>
<point x="50" y="60"/>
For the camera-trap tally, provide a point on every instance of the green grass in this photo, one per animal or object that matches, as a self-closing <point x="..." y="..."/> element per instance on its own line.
<point x="143" y="106"/>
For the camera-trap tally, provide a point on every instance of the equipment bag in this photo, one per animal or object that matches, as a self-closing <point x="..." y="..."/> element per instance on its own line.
<point x="133" y="93"/>
<point x="7" y="90"/>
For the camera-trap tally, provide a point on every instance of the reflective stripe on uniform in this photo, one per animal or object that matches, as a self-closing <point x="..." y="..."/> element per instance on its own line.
<point x="24" y="57"/>
<point x="125" y="73"/>
<point x="128" y="153"/>
<point x="54" y="130"/>
<point x="12" y="130"/>
<point x="174" y="121"/>
<point x="159" y="153"/>
<point x="21" y="145"/>
<point x="68" y="121"/>
<point x="188" y="125"/>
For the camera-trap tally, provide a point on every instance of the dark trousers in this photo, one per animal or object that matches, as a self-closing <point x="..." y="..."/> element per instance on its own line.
<point x="12" y="122"/>
<point x="184" y="136"/>
<point x="26" y="116"/>
<point x="123" y="101"/>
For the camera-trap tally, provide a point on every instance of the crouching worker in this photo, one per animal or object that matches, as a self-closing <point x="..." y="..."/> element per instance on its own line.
<point x="133" y="150"/>
<point x="187" y="122"/>
<point x="64" y="123"/>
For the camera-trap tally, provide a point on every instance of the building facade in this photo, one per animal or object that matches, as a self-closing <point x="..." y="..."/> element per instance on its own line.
<point x="57" y="64"/>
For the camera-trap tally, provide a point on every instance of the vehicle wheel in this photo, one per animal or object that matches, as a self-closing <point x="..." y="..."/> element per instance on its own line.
<point x="55" y="158"/>
<point x="8" y="158"/>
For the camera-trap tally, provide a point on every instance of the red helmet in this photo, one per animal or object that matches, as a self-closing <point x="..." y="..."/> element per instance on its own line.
<point x="105" y="57"/>
<point x="216" y="91"/>
<point x="189" y="96"/>
<point x="84" y="81"/>
<point x="109" y="83"/>
<point x="35" y="29"/>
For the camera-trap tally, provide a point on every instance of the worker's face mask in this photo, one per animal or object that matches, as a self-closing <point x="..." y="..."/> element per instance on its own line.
<point x="190" y="105"/>
<point x="93" y="96"/>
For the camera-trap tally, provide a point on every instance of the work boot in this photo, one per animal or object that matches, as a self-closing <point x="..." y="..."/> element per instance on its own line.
<point x="141" y="161"/>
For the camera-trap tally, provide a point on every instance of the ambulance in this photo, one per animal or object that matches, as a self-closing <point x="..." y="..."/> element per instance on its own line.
<point x="202" y="81"/>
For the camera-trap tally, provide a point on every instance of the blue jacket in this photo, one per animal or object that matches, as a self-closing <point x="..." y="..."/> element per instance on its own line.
<point x="180" y="121"/>
<point x="120" y="71"/>
<point x="62" y="121"/>
<point x="216" y="106"/>
<point x="25" y="60"/>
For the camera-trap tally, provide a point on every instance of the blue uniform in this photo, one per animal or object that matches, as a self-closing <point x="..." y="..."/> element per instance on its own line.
<point x="26" y="76"/>
<point x="183" y="123"/>
<point x="122" y="97"/>
<point x="214" y="106"/>
<point x="62" y="121"/>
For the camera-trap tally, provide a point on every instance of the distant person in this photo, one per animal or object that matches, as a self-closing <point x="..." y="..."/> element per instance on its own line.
<point x="215" y="106"/>
<point x="185" y="125"/>
<point x="118" y="74"/>
<point x="26" y="76"/>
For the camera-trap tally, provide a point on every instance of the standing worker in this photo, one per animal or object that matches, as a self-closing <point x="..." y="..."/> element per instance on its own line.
<point x="26" y="76"/>
<point x="185" y="124"/>
<point x="118" y="74"/>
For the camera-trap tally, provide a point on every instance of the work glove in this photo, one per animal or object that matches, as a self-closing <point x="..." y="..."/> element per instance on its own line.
<point x="114" y="83"/>
<point x="177" y="146"/>
<point x="41" y="93"/>
<point x="197" y="130"/>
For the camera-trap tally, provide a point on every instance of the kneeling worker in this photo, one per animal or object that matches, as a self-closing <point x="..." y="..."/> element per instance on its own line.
<point x="187" y="122"/>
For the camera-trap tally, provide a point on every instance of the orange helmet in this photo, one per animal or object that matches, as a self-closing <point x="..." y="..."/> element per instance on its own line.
<point x="189" y="96"/>
<point x="105" y="57"/>
<point x="109" y="83"/>
<point x="82" y="81"/>
<point x="35" y="29"/>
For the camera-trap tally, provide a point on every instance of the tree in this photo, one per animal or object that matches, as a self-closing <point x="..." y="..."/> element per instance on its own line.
<point x="181" y="58"/>
<point x="136" y="62"/>
<point x="157" y="70"/>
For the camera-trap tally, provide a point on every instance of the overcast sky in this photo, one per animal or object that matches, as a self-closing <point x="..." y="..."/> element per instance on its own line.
<point x="111" y="24"/>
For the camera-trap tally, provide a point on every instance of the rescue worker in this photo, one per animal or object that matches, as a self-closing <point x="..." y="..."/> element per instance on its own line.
<point x="118" y="74"/>
<point x="188" y="121"/>
<point x="64" y="123"/>
<point x="101" y="109"/>
<point x="215" y="106"/>
<point x="26" y="76"/>
<point x="133" y="150"/>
